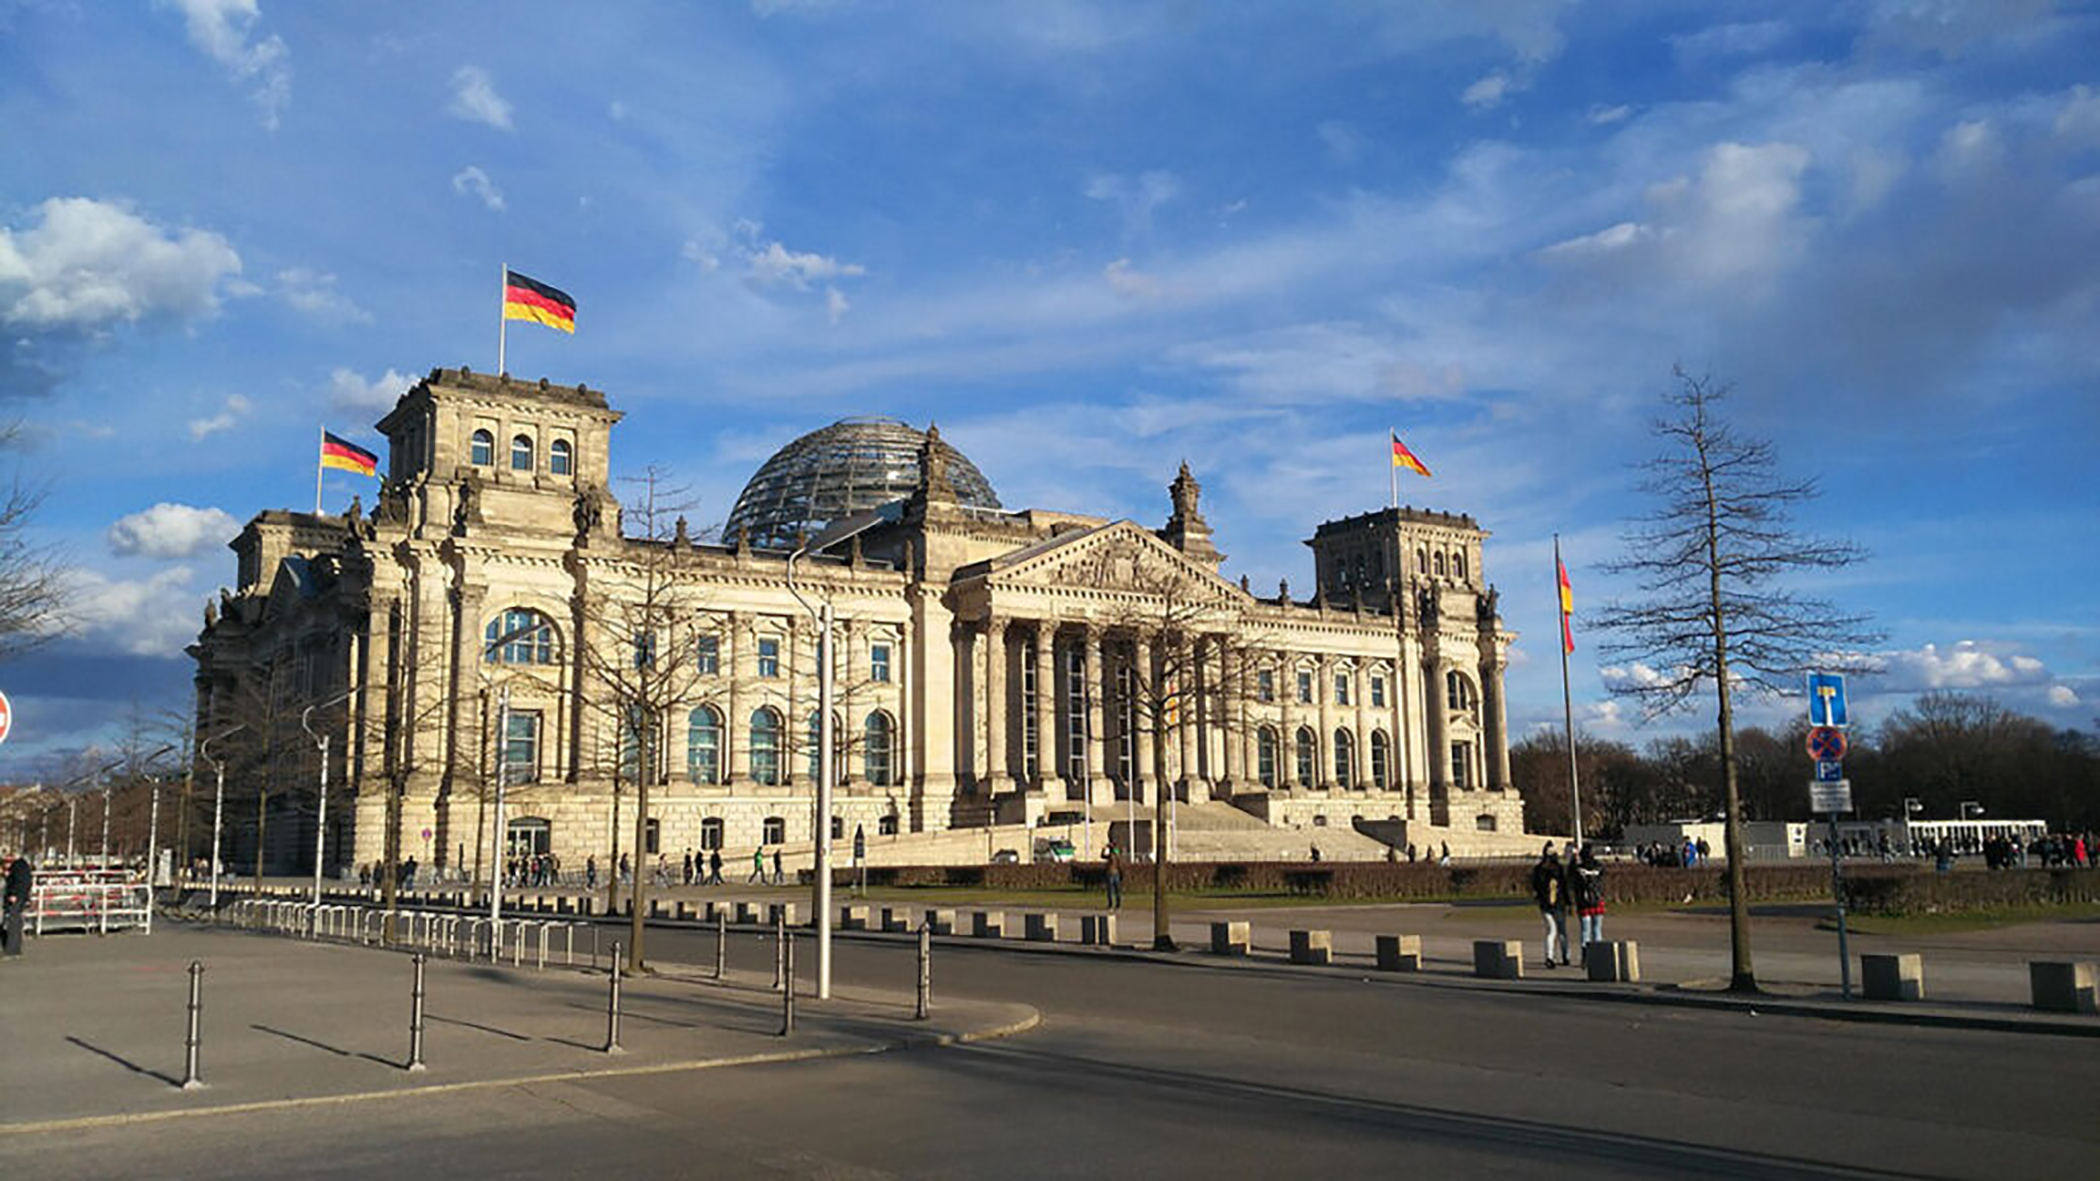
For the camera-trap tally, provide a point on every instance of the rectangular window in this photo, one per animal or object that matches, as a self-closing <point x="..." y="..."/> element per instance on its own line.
<point x="1265" y="685"/>
<point x="1341" y="688"/>
<point x="707" y="655"/>
<point x="1305" y="688"/>
<point x="652" y="834"/>
<point x="769" y="658"/>
<point x="1378" y="692"/>
<point x="521" y="747"/>
<point x="1461" y="763"/>
<point x="879" y="663"/>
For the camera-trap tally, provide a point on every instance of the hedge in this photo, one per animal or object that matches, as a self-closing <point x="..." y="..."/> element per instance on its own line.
<point x="1938" y="893"/>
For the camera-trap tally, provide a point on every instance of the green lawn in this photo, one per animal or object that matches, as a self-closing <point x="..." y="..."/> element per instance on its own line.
<point x="1970" y="920"/>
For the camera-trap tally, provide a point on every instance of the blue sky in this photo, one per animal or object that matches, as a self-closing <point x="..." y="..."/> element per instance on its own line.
<point x="1091" y="240"/>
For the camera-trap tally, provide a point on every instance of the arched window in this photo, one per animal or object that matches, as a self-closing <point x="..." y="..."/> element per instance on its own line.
<point x="482" y="451"/>
<point x="815" y="745"/>
<point x="1265" y="753"/>
<point x="878" y="749"/>
<point x="711" y="833"/>
<point x="703" y="746"/>
<point x="765" y="747"/>
<point x="1458" y="565"/>
<point x="521" y="453"/>
<point x="558" y="455"/>
<point x="1381" y="753"/>
<point x="1345" y="758"/>
<point x="1439" y="558"/>
<point x="519" y="636"/>
<point x="1421" y="561"/>
<point x="1458" y="693"/>
<point x="1308" y="757"/>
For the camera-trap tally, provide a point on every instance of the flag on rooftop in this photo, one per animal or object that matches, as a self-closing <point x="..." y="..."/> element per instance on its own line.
<point x="529" y="299"/>
<point x="344" y="455"/>
<point x="1402" y="457"/>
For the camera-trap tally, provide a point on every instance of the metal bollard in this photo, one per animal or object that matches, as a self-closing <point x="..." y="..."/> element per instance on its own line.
<point x="787" y="994"/>
<point x="612" y="1006"/>
<point x="415" y="1018"/>
<point x="779" y="951"/>
<point x="190" y="1081"/>
<point x="721" y="942"/>
<point x="925" y="1003"/>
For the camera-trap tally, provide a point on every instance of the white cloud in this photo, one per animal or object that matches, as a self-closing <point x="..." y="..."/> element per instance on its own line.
<point x="835" y="304"/>
<point x="776" y="264"/>
<point x="153" y="617"/>
<point x="1602" y="115"/>
<point x="1732" y="40"/>
<point x="1488" y="92"/>
<point x="1127" y="281"/>
<point x="1969" y="148"/>
<point x="474" y="98"/>
<point x="87" y="264"/>
<point x="1136" y="200"/>
<point x="229" y="413"/>
<point x="2079" y="120"/>
<point x="222" y="28"/>
<point x="1969" y="664"/>
<point x="347" y="390"/>
<point x="171" y="531"/>
<point x="473" y="181"/>
<point x="315" y="295"/>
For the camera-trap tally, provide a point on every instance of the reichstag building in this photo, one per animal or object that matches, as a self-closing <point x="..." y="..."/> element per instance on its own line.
<point x="498" y="612"/>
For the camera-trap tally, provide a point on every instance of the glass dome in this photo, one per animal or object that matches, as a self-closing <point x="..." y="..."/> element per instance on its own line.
<point x="848" y="467"/>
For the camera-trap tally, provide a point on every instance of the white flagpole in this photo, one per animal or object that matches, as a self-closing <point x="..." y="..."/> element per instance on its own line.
<point x="1567" y="699"/>
<point x="1392" y="470"/>
<point x="502" y="321"/>
<point x="319" y="467"/>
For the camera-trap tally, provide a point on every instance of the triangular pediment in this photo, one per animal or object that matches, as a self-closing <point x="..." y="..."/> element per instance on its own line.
<point x="1121" y="556"/>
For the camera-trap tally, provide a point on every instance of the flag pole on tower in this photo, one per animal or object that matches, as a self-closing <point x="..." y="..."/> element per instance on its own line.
<point x="502" y="313"/>
<point x="1567" y="698"/>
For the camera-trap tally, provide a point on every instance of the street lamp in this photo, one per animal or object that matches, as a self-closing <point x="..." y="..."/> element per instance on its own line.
<point x="72" y="803"/>
<point x="306" y="722"/>
<point x="153" y="824"/>
<point x="1971" y="809"/>
<point x="218" y="803"/>
<point x="827" y="756"/>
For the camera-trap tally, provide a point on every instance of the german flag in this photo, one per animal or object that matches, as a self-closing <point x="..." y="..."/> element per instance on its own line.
<point x="530" y="299"/>
<point x="347" y="456"/>
<point x="1402" y="457"/>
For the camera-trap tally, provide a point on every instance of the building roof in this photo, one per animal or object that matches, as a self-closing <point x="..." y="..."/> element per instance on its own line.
<point x="850" y="466"/>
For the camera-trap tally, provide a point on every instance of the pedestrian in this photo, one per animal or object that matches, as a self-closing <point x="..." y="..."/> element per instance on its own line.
<point x="714" y="868"/>
<point x="1316" y="852"/>
<point x="1547" y="882"/>
<point x="590" y="872"/>
<point x="758" y="866"/>
<point x="14" y="904"/>
<point x="1112" y="863"/>
<point x="1443" y="856"/>
<point x="1590" y="901"/>
<point x="626" y="869"/>
<point x="779" y="878"/>
<point x="688" y="879"/>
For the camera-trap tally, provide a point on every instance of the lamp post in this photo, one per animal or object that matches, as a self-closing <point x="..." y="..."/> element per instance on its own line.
<point x="72" y="806"/>
<point x="153" y="824"/>
<point x="306" y="722"/>
<point x="218" y="803"/>
<point x="827" y="754"/>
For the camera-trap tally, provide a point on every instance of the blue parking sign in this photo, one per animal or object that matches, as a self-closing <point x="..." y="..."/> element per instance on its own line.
<point x="1826" y="699"/>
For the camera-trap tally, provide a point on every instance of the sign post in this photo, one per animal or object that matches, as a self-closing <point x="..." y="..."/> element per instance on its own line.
<point x="1831" y="792"/>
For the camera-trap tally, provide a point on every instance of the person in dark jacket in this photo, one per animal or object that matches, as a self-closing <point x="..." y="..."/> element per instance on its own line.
<point x="20" y="877"/>
<point x="1548" y="881"/>
<point x="1589" y="898"/>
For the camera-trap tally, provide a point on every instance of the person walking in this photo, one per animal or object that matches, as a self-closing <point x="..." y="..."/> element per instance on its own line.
<point x="590" y="872"/>
<point x="14" y="905"/>
<point x="1547" y="881"/>
<point x="1112" y="862"/>
<point x="779" y="878"/>
<point x="1589" y="899"/>
<point x="758" y="866"/>
<point x="714" y="868"/>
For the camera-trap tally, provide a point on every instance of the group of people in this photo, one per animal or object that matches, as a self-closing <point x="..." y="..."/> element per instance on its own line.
<point x="375" y="873"/>
<point x="1689" y="854"/>
<point x="1564" y="889"/>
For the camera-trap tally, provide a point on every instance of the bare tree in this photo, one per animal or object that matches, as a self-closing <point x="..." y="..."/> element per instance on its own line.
<point x="1712" y="616"/>
<point x="33" y="576"/>
<point x="640" y="664"/>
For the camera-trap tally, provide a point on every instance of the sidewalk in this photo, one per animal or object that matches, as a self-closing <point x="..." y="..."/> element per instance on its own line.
<point x="96" y="1026"/>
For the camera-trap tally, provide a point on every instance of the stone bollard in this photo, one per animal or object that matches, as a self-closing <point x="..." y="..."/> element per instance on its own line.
<point x="1613" y="962"/>
<point x="1498" y="959"/>
<point x="941" y="920"/>
<point x="1097" y="930"/>
<point x="1312" y="947"/>
<point x="988" y="924"/>
<point x="2063" y="986"/>
<point x="1040" y="928"/>
<point x="896" y="918"/>
<point x="1399" y="953"/>
<point x="1892" y="977"/>
<point x="1233" y="938"/>
<point x="853" y="916"/>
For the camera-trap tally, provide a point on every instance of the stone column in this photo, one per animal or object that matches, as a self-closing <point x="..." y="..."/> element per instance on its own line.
<point x="1323" y="689"/>
<point x="1099" y="788"/>
<point x="851" y="668"/>
<point x="1191" y="712"/>
<point x="1238" y="730"/>
<point x="794" y="752"/>
<point x="736" y="753"/>
<point x="995" y="704"/>
<point x="1286" y="732"/>
<point x="1143" y="770"/>
<point x="1496" y="722"/>
<point x="1438" y="708"/>
<point x="969" y="701"/>
<point x="1360" y="691"/>
<point x="1046" y="764"/>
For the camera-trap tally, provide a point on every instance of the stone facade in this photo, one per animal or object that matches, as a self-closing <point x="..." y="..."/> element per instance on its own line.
<point x="993" y="665"/>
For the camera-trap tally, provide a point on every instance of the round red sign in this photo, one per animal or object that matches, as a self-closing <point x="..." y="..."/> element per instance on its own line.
<point x="7" y="717"/>
<point x="1826" y="743"/>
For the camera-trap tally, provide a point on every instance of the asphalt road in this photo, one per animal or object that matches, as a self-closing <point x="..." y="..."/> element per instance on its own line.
<point x="1164" y="1070"/>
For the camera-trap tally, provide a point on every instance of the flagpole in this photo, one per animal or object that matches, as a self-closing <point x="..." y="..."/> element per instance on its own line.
<point x="1567" y="697"/>
<point x="502" y="321"/>
<point x="1392" y="470"/>
<point x="318" y="468"/>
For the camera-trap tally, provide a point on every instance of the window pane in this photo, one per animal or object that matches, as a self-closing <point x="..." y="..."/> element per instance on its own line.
<point x="703" y="747"/>
<point x="521" y="453"/>
<point x="769" y="658"/>
<point x="558" y="457"/>
<point x="707" y="655"/>
<point x="521" y="747"/>
<point x="875" y="751"/>
<point x="1305" y="688"/>
<point x="879" y="663"/>
<point x="765" y="747"/>
<point x="483" y="452"/>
